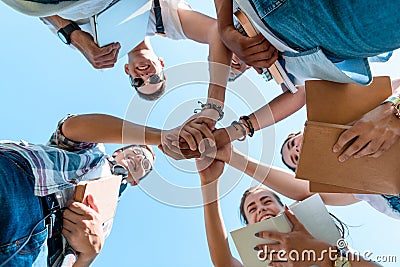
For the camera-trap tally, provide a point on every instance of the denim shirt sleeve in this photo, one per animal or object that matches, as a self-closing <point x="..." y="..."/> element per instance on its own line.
<point x="58" y="139"/>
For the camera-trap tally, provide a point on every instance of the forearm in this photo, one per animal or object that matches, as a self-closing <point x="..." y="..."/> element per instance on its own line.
<point x="217" y="237"/>
<point x="101" y="128"/>
<point x="219" y="64"/>
<point x="278" y="109"/>
<point x="224" y="9"/>
<point x="56" y="21"/>
<point x="277" y="179"/>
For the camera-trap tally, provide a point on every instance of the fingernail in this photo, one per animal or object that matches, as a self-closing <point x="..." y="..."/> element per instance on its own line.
<point x="257" y="234"/>
<point x="286" y="207"/>
<point x="256" y="248"/>
<point x="342" y="159"/>
<point x="335" y="149"/>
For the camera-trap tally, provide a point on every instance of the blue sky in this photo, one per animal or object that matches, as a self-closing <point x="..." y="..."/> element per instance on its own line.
<point x="159" y="223"/>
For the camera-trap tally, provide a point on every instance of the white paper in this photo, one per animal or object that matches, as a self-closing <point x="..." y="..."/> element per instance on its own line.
<point x="124" y="22"/>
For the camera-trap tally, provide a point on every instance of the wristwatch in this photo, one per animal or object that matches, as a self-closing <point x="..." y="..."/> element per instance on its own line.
<point x="65" y="33"/>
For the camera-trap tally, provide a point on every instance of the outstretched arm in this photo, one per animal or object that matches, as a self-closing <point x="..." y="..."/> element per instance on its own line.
<point x="217" y="237"/>
<point x="99" y="57"/>
<point x="278" y="179"/>
<point x="102" y="128"/>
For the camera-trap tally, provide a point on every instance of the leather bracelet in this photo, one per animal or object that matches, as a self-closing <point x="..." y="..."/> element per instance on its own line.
<point x="249" y="125"/>
<point x="210" y="106"/>
<point x="395" y="102"/>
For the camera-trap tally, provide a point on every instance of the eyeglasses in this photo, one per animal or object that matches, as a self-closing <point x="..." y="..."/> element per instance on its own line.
<point x="153" y="79"/>
<point x="146" y="163"/>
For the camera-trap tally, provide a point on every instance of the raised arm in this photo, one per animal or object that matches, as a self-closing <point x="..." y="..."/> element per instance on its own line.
<point x="217" y="237"/>
<point x="204" y="29"/>
<point x="101" y="128"/>
<point x="280" y="180"/>
<point x="98" y="57"/>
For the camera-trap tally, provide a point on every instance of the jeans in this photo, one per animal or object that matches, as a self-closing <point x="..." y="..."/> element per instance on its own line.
<point x="20" y="211"/>
<point x="342" y="29"/>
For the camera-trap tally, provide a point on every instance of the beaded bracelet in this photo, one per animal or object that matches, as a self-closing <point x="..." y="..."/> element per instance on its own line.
<point x="210" y="106"/>
<point x="248" y="124"/>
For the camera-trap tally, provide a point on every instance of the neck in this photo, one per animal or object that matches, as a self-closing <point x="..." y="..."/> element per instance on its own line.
<point x="143" y="45"/>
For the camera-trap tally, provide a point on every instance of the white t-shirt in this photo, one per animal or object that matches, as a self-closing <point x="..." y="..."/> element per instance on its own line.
<point x="171" y="21"/>
<point x="169" y="12"/>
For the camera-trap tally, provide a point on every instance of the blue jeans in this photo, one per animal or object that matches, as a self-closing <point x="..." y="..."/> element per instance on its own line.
<point x="20" y="211"/>
<point x="343" y="29"/>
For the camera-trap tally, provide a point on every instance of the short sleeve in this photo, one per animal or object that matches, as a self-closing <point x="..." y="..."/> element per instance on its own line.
<point x="58" y="139"/>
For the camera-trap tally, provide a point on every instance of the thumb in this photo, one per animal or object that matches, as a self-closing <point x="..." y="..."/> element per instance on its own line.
<point x="92" y="203"/>
<point x="297" y="225"/>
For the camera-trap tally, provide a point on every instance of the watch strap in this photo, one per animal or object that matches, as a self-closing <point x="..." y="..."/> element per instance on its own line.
<point x="67" y="31"/>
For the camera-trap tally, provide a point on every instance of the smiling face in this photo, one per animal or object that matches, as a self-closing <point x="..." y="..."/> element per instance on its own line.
<point x="143" y="63"/>
<point x="138" y="160"/>
<point x="291" y="150"/>
<point x="260" y="204"/>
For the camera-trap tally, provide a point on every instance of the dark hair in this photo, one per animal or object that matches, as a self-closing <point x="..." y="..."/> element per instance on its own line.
<point x="157" y="94"/>
<point x="246" y="193"/>
<point x="290" y="136"/>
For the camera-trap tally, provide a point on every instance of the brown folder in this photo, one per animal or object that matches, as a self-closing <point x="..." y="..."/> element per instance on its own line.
<point x="105" y="191"/>
<point x="330" y="106"/>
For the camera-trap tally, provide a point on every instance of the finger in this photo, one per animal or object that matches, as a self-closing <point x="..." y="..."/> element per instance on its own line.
<point x="68" y="225"/>
<point x="385" y="146"/>
<point x="344" y="138"/>
<point x="355" y="147"/>
<point x="79" y="208"/>
<point x="256" y="40"/>
<point x="273" y="236"/>
<point x="204" y="129"/>
<point x="197" y="136"/>
<point x="106" y="51"/>
<point x="172" y="154"/>
<point x="189" y="139"/>
<point x="297" y="225"/>
<point x="92" y="203"/>
<point x="369" y="149"/>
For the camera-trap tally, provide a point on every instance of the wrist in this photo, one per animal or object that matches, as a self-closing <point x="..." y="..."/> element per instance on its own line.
<point x="393" y="101"/>
<point x="84" y="259"/>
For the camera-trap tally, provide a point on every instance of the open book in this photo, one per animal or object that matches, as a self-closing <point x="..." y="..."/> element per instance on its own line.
<point x="311" y="212"/>
<point x="276" y="70"/>
<point x="105" y="191"/>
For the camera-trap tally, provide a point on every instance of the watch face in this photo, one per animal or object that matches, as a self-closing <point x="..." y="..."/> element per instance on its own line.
<point x="62" y="37"/>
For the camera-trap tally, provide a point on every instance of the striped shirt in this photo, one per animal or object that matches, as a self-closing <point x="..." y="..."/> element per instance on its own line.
<point x="61" y="163"/>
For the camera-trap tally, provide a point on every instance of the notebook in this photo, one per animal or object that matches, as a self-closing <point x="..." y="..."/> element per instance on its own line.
<point x="105" y="191"/>
<point x="330" y="106"/>
<point x="123" y="21"/>
<point x="311" y="212"/>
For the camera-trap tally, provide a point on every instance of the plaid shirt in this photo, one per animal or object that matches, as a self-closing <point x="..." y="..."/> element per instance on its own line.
<point x="60" y="163"/>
